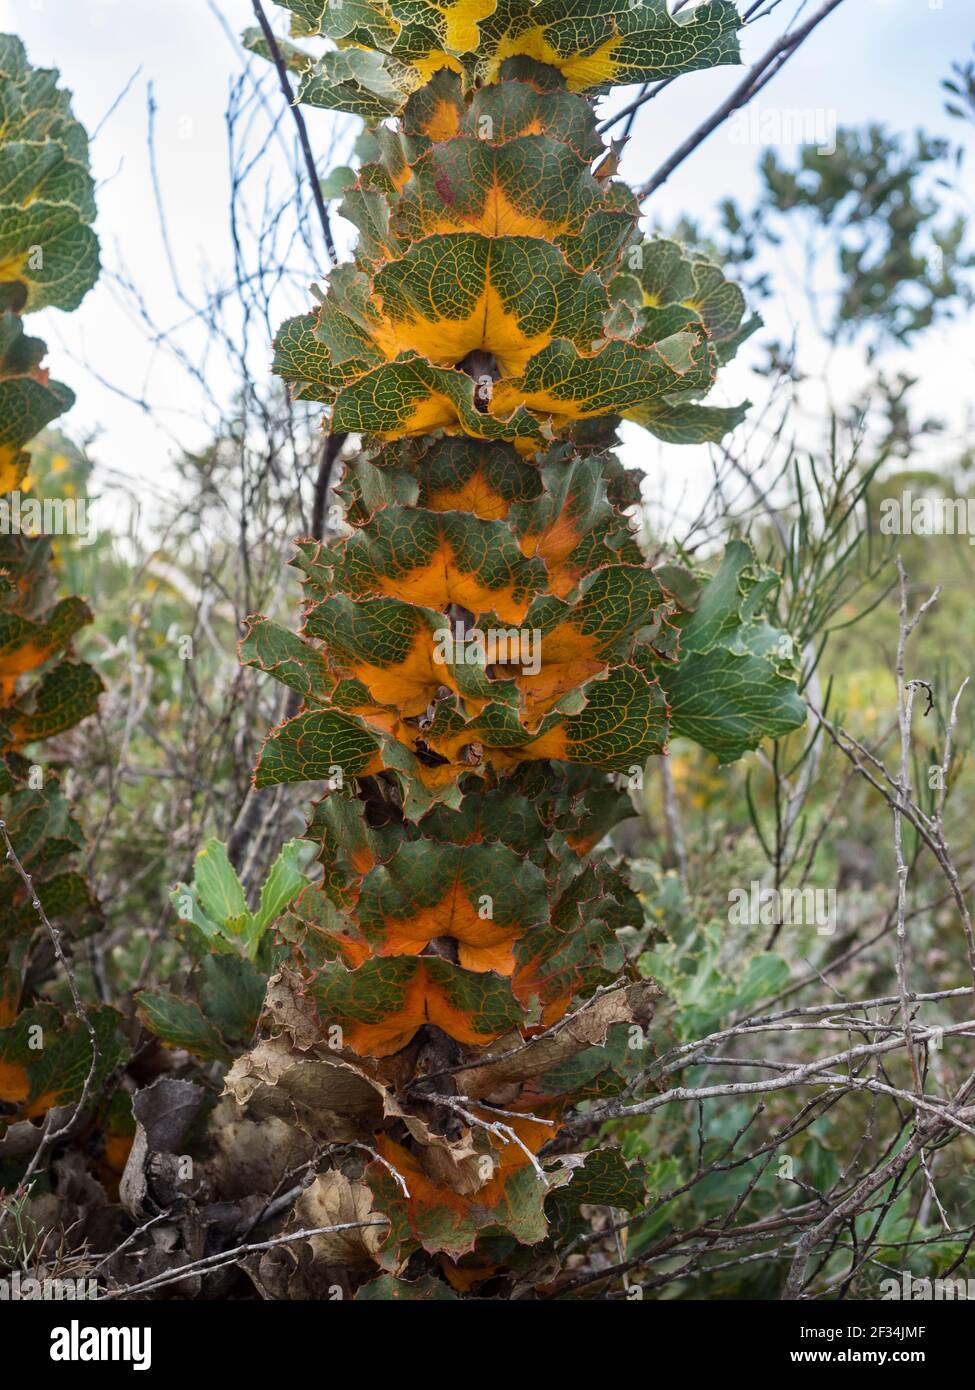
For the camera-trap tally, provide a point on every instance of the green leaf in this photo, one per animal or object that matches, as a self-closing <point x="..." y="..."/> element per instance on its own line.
<point x="67" y="694"/>
<point x="352" y="80"/>
<point x="604" y="1179"/>
<point x="29" y="400"/>
<point x="48" y="252"/>
<point x="735" y="682"/>
<point x="284" y="882"/>
<point x="689" y="423"/>
<point x="767" y="974"/>
<point x="295" y="59"/>
<point x="220" y="890"/>
<point x="181" y="1023"/>
<point x="45" y="1057"/>
<point x="335" y="183"/>
<point x="278" y="651"/>
<point x="232" y="996"/>
<point x="186" y="901"/>
<point x="312" y="745"/>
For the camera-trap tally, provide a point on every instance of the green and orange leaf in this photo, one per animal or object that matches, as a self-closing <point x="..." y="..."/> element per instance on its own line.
<point x="382" y="1005"/>
<point x="592" y="45"/>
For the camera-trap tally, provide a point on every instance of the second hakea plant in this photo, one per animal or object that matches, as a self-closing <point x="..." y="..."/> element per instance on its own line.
<point x="48" y="259"/>
<point x="486" y="660"/>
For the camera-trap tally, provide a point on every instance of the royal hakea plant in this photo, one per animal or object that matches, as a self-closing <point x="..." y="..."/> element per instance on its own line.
<point x="48" y="258"/>
<point x="486" y="662"/>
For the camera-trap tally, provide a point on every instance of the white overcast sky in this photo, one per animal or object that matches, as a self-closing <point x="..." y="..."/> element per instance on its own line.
<point x="872" y="60"/>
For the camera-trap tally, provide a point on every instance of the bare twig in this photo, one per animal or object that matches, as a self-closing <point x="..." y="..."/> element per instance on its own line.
<point x="211" y="1263"/>
<point x="309" y="158"/>
<point x="756" y="78"/>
